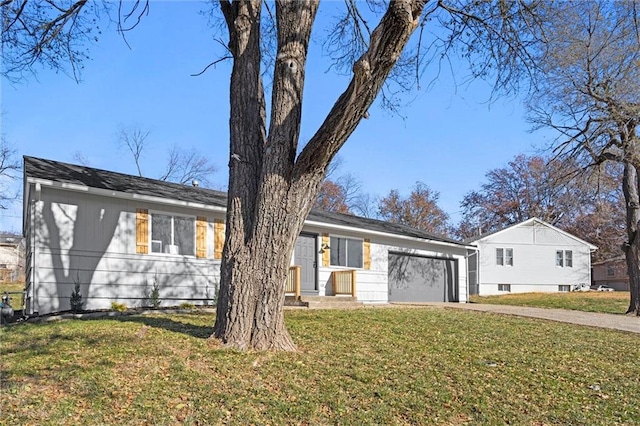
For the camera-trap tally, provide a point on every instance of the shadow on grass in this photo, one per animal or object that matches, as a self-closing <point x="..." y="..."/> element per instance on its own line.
<point x="194" y="330"/>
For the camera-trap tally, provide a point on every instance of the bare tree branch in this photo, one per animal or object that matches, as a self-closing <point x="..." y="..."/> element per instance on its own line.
<point x="134" y="139"/>
<point x="9" y="168"/>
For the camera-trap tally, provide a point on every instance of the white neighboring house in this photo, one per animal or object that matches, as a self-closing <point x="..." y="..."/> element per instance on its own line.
<point x="12" y="252"/>
<point x="116" y="235"/>
<point x="531" y="256"/>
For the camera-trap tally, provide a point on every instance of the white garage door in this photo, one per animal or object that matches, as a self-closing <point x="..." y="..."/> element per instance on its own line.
<point x="422" y="279"/>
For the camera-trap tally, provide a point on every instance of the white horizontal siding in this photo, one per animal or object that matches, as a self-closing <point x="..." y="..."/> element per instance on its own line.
<point x="92" y="239"/>
<point x="492" y="289"/>
<point x="123" y="278"/>
<point x="372" y="285"/>
<point x="534" y="260"/>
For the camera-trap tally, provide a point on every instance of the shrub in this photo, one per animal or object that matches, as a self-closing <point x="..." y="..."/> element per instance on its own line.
<point x="154" y="296"/>
<point x="75" y="300"/>
<point x="213" y="298"/>
<point x="118" y="307"/>
<point x="187" y="305"/>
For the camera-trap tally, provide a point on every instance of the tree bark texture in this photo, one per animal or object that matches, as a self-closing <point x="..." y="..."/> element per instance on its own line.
<point x="631" y="184"/>
<point x="270" y="190"/>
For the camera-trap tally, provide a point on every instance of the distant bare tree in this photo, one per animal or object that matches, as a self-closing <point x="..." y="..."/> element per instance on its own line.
<point x="343" y="193"/>
<point x="182" y="166"/>
<point x="187" y="166"/>
<point x="366" y="205"/>
<point x="589" y="91"/>
<point x="134" y="139"/>
<point x="9" y="168"/>
<point x="585" y="203"/>
<point x="80" y="158"/>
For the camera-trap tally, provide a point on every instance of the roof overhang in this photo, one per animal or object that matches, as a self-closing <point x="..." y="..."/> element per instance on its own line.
<point x="173" y="202"/>
<point x="346" y="228"/>
<point x="124" y="195"/>
<point x="535" y="220"/>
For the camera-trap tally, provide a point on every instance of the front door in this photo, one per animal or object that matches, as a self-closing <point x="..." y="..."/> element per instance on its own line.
<point x="305" y="256"/>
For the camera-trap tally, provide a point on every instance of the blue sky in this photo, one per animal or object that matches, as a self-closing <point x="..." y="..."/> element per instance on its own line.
<point x="448" y="137"/>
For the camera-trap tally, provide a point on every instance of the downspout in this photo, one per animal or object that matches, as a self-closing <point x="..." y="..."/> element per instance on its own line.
<point x="35" y="231"/>
<point x="467" y="257"/>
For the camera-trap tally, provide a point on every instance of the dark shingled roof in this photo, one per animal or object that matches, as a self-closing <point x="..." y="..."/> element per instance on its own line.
<point x="95" y="178"/>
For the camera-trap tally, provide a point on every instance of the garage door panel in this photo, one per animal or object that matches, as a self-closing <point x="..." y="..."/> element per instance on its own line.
<point x="421" y="279"/>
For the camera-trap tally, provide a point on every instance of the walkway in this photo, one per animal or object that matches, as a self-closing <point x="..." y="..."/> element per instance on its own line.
<point x="591" y="319"/>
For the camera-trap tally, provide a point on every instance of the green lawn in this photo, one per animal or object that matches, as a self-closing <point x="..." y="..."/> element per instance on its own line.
<point x="367" y="366"/>
<point x="614" y="302"/>
<point x="15" y="299"/>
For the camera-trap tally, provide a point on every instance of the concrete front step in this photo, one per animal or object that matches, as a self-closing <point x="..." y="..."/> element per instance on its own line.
<point x="324" y="302"/>
<point x="334" y="305"/>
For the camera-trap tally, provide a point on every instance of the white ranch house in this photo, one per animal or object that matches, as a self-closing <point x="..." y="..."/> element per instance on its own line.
<point x="117" y="234"/>
<point x="531" y="256"/>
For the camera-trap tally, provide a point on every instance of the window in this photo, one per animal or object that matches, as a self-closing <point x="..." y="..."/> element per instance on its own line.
<point x="568" y="258"/>
<point x="564" y="288"/>
<point x="504" y="257"/>
<point x="508" y="257"/>
<point x="172" y="234"/>
<point x="610" y="271"/>
<point x="564" y="258"/>
<point x="504" y="287"/>
<point x="346" y="252"/>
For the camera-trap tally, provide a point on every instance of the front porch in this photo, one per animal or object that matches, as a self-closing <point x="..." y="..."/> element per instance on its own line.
<point x="343" y="285"/>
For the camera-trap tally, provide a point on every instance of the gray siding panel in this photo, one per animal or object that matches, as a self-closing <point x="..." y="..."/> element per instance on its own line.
<point x="91" y="240"/>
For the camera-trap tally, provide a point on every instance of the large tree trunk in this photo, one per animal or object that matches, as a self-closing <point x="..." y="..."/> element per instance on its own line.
<point x="632" y="247"/>
<point x="270" y="191"/>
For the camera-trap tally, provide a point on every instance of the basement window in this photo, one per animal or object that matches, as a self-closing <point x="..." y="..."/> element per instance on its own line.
<point x="564" y="288"/>
<point x="504" y="287"/>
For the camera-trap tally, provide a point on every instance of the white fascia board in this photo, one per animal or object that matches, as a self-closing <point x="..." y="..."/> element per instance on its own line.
<point x="331" y="226"/>
<point x="588" y="244"/>
<point x="126" y="195"/>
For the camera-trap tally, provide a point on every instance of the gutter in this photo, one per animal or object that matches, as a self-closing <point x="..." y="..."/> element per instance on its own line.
<point x="126" y="195"/>
<point x="385" y="234"/>
<point x="173" y="202"/>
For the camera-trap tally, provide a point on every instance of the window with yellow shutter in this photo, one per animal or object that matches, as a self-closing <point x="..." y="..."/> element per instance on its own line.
<point x="219" y="234"/>
<point x="142" y="231"/>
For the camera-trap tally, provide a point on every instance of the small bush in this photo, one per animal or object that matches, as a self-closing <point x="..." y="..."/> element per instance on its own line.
<point x="187" y="305"/>
<point x="214" y="297"/>
<point x="118" y="307"/>
<point x="154" y="297"/>
<point x="75" y="300"/>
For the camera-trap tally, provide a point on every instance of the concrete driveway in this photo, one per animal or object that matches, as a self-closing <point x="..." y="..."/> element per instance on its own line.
<point x="591" y="319"/>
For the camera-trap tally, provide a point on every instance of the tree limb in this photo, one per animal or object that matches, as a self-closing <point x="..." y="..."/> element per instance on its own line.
<point x="369" y="74"/>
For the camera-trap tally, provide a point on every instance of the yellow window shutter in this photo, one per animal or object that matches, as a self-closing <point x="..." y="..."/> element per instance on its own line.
<point x="326" y="253"/>
<point x="366" y="254"/>
<point x="218" y="243"/>
<point x="142" y="231"/>
<point x="201" y="237"/>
